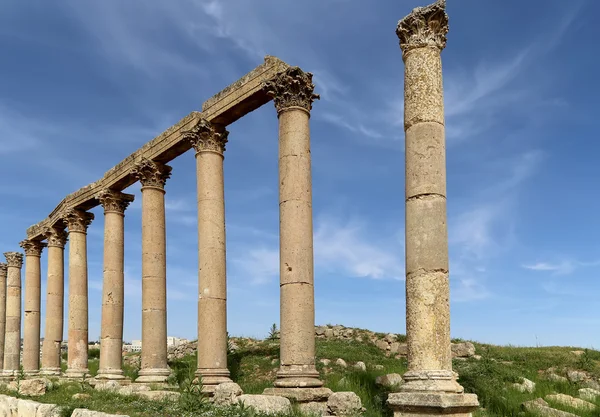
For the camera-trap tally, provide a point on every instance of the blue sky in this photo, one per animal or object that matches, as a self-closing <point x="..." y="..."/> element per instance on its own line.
<point x="85" y="83"/>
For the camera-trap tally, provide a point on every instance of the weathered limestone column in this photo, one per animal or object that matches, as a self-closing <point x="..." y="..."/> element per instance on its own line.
<point x="153" y="176"/>
<point x="113" y="286"/>
<point x="3" y="273"/>
<point x="209" y="142"/>
<point x="31" y="340"/>
<point x="12" y="342"/>
<point x="55" y="301"/>
<point x="430" y="386"/>
<point x="77" y="360"/>
<point x="292" y="92"/>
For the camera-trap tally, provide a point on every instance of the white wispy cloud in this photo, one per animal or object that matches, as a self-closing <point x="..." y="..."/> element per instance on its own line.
<point x="564" y="267"/>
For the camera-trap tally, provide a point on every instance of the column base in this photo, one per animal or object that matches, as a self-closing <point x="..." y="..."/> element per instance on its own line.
<point x="50" y="371"/>
<point x="210" y="378"/>
<point x="77" y="374"/>
<point x="298" y="376"/>
<point x="419" y="404"/>
<point x="153" y="375"/>
<point x="111" y="375"/>
<point x="9" y="374"/>
<point x="32" y="374"/>
<point x="301" y="395"/>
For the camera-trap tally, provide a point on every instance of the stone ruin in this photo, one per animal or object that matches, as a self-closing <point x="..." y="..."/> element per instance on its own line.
<point x="430" y="386"/>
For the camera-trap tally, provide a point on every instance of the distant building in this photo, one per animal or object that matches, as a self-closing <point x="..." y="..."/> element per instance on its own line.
<point x="136" y="345"/>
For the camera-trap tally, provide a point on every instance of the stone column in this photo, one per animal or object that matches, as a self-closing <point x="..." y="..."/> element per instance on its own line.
<point x="77" y="360"/>
<point x="31" y="341"/>
<point x="292" y="92"/>
<point x="12" y="342"/>
<point x="113" y="284"/>
<point x="55" y="301"/>
<point x="153" y="176"/>
<point x="3" y="272"/>
<point x="209" y="142"/>
<point x="430" y="386"/>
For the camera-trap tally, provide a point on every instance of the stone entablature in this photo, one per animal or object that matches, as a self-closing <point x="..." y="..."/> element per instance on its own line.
<point x="224" y="108"/>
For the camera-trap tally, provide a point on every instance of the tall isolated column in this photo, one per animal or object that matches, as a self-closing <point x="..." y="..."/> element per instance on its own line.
<point x="55" y="301"/>
<point x="3" y="273"/>
<point x="153" y="176"/>
<point x="209" y="142"/>
<point x="113" y="284"/>
<point x="31" y="340"/>
<point x="77" y="360"/>
<point x="292" y="92"/>
<point x="12" y="341"/>
<point x="430" y="386"/>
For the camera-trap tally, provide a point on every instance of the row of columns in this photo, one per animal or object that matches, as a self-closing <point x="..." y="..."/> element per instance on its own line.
<point x="293" y="95"/>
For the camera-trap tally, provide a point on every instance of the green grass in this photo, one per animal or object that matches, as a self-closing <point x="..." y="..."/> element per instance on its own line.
<point x="254" y="365"/>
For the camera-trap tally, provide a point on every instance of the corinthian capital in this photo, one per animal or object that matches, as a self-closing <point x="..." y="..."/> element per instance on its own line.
<point x="56" y="237"/>
<point x="291" y="88"/>
<point x="32" y="247"/>
<point x="151" y="173"/>
<point x="78" y="220"/>
<point x="205" y="136"/>
<point x="3" y="269"/>
<point x="14" y="259"/>
<point x="114" y="201"/>
<point x="424" y="27"/>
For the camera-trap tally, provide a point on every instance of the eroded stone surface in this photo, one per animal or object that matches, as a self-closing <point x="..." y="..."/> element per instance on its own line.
<point x="571" y="401"/>
<point x="268" y="404"/>
<point x="345" y="404"/>
<point x="227" y="393"/>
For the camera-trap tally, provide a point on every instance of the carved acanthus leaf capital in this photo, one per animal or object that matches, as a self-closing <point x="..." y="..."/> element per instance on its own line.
<point x="151" y="173"/>
<point x="291" y="88"/>
<point x="115" y="201"/>
<point x="32" y="247"/>
<point x="3" y="269"/>
<point x="14" y="259"/>
<point x="78" y="220"/>
<point x="56" y="237"/>
<point x="205" y="136"/>
<point x="424" y="27"/>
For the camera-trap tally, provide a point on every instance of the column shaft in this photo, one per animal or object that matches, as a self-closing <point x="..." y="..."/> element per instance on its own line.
<point x="31" y="339"/>
<point x="77" y="359"/>
<point x="12" y="343"/>
<point x="154" y="366"/>
<point x="209" y="144"/>
<point x="296" y="252"/>
<point x="113" y="286"/>
<point x="3" y="272"/>
<point x="55" y="295"/>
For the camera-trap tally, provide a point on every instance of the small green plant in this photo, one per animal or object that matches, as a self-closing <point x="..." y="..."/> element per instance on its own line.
<point x="273" y="332"/>
<point x="192" y="399"/>
<point x="585" y="361"/>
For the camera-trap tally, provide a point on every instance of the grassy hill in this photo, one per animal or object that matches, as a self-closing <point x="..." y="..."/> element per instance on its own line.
<point x="253" y="364"/>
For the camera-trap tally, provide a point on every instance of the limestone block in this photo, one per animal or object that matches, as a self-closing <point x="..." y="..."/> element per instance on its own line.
<point x="391" y="338"/>
<point x="360" y="366"/>
<point x="159" y="395"/>
<point x="81" y="412"/>
<point x="33" y="387"/>
<point x="541" y="407"/>
<point x="341" y="362"/>
<point x="344" y="404"/>
<point x="403" y="349"/>
<point x="227" y="393"/>
<point x="571" y="401"/>
<point x="525" y="385"/>
<point x="26" y="408"/>
<point x="463" y="350"/>
<point x="48" y="410"/>
<point x="382" y="344"/>
<point x="81" y="396"/>
<point x="108" y="386"/>
<point x="577" y="376"/>
<point x="329" y="333"/>
<point x="556" y="378"/>
<point x="268" y="404"/>
<point x="314" y="409"/>
<point x="301" y="395"/>
<point x="133" y="389"/>
<point x="325" y="362"/>
<point x="389" y="380"/>
<point x="589" y="394"/>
